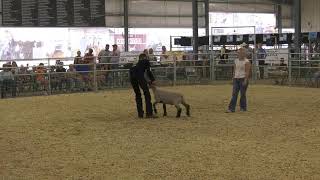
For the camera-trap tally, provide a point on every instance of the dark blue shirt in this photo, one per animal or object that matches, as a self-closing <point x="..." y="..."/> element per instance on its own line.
<point x="142" y="67"/>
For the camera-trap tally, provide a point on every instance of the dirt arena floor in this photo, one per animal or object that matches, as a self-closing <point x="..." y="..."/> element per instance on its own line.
<point x="96" y="136"/>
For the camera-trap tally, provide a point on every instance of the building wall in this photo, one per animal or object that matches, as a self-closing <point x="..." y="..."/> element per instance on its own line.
<point x="310" y="15"/>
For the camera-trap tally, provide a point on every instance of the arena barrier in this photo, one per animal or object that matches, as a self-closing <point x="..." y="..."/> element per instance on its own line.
<point x="190" y="69"/>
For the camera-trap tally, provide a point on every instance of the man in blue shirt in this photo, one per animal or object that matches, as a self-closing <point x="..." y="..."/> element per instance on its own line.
<point x="261" y="56"/>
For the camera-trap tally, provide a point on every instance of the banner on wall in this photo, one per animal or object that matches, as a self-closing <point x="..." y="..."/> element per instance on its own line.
<point x="275" y="55"/>
<point x="137" y="42"/>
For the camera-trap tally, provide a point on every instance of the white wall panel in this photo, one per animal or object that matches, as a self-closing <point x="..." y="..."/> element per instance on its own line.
<point x="247" y="8"/>
<point x="310" y="15"/>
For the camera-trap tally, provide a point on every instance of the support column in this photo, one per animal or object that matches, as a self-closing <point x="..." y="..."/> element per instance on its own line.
<point x="195" y="20"/>
<point x="207" y="17"/>
<point x="297" y="25"/>
<point x="126" y="25"/>
<point x="279" y="18"/>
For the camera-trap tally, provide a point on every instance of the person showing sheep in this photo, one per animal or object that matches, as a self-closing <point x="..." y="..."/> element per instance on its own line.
<point x="242" y="69"/>
<point x="166" y="97"/>
<point x="138" y="80"/>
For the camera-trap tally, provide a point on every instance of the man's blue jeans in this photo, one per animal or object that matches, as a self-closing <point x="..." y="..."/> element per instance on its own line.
<point x="239" y="86"/>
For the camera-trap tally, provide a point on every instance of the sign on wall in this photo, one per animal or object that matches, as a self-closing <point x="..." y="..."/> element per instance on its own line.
<point x="53" y="13"/>
<point x="275" y="55"/>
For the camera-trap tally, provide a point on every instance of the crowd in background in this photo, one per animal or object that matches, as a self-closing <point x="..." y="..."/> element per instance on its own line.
<point x="79" y="76"/>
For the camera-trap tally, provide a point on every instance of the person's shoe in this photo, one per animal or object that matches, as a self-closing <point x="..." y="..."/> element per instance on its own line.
<point x="151" y="116"/>
<point x="243" y="110"/>
<point x="229" y="111"/>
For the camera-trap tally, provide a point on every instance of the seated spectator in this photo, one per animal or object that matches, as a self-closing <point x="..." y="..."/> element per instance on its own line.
<point x="164" y="57"/>
<point x="23" y="79"/>
<point x="86" y="70"/>
<point x="283" y="66"/>
<point x="146" y="52"/>
<point x="7" y="81"/>
<point x="15" y="69"/>
<point x="41" y="77"/>
<point x="223" y="55"/>
<point x="73" y="79"/>
<point x="316" y="78"/>
<point x="78" y="58"/>
<point x="89" y="59"/>
<point x="61" y="74"/>
<point x="152" y="56"/>
<point x="280" y="73"/>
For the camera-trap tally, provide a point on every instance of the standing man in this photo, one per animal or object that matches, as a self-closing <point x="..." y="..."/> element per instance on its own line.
<point x="223" y="55"/>
<point x="78" y="59"/>
<point x="104" y="58"/>
<point x="242" y="69"/>
<point x="261" y="56"/>
<point x="87" y="75"/>
<point x="164" y="55"/>
<point x="138" y="80"/>
<point x="115" y="57"/>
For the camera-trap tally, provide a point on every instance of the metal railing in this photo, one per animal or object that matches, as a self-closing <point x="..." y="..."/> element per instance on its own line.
<point x="55" y="78"/>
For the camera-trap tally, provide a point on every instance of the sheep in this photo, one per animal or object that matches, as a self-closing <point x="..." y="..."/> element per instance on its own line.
<point x="171" y="98"/>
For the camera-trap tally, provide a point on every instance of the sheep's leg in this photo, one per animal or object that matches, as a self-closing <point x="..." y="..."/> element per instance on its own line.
<point x="179" y="110"/>
<point x="155" y="107"/>
<point x="187" y="106"/>
<point x="164" y="109"/>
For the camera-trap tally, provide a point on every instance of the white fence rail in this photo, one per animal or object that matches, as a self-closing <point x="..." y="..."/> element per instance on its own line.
<point x="62" y="75"/>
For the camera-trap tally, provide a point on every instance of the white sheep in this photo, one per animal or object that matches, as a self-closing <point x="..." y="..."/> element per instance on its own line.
<point x="172" y="98"/>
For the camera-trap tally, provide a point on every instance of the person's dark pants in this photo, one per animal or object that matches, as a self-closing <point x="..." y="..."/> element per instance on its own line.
<point x="261" y="70"/>
<point x="238" y="86"/>
<point x="7" y="85"/>
<point x="138" y="83"/>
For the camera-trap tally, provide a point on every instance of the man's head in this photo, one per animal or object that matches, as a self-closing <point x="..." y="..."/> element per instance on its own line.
<point x="150" y="51"/>
<point x="164" y="49"/>
<point x="259" y="45"/>
<point x="115" y="47"/>
<point x="14" y="64"/>
<point x="78" y="53"/>
<point x="142" y="57"/>
<point x="90" y="51"/>
<point x="145" y="51"/>
<point x="107" y="47"/>
<point x="242" y="53"/>
<point x="243" y="45"/>
<point x="41" y="66"/>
